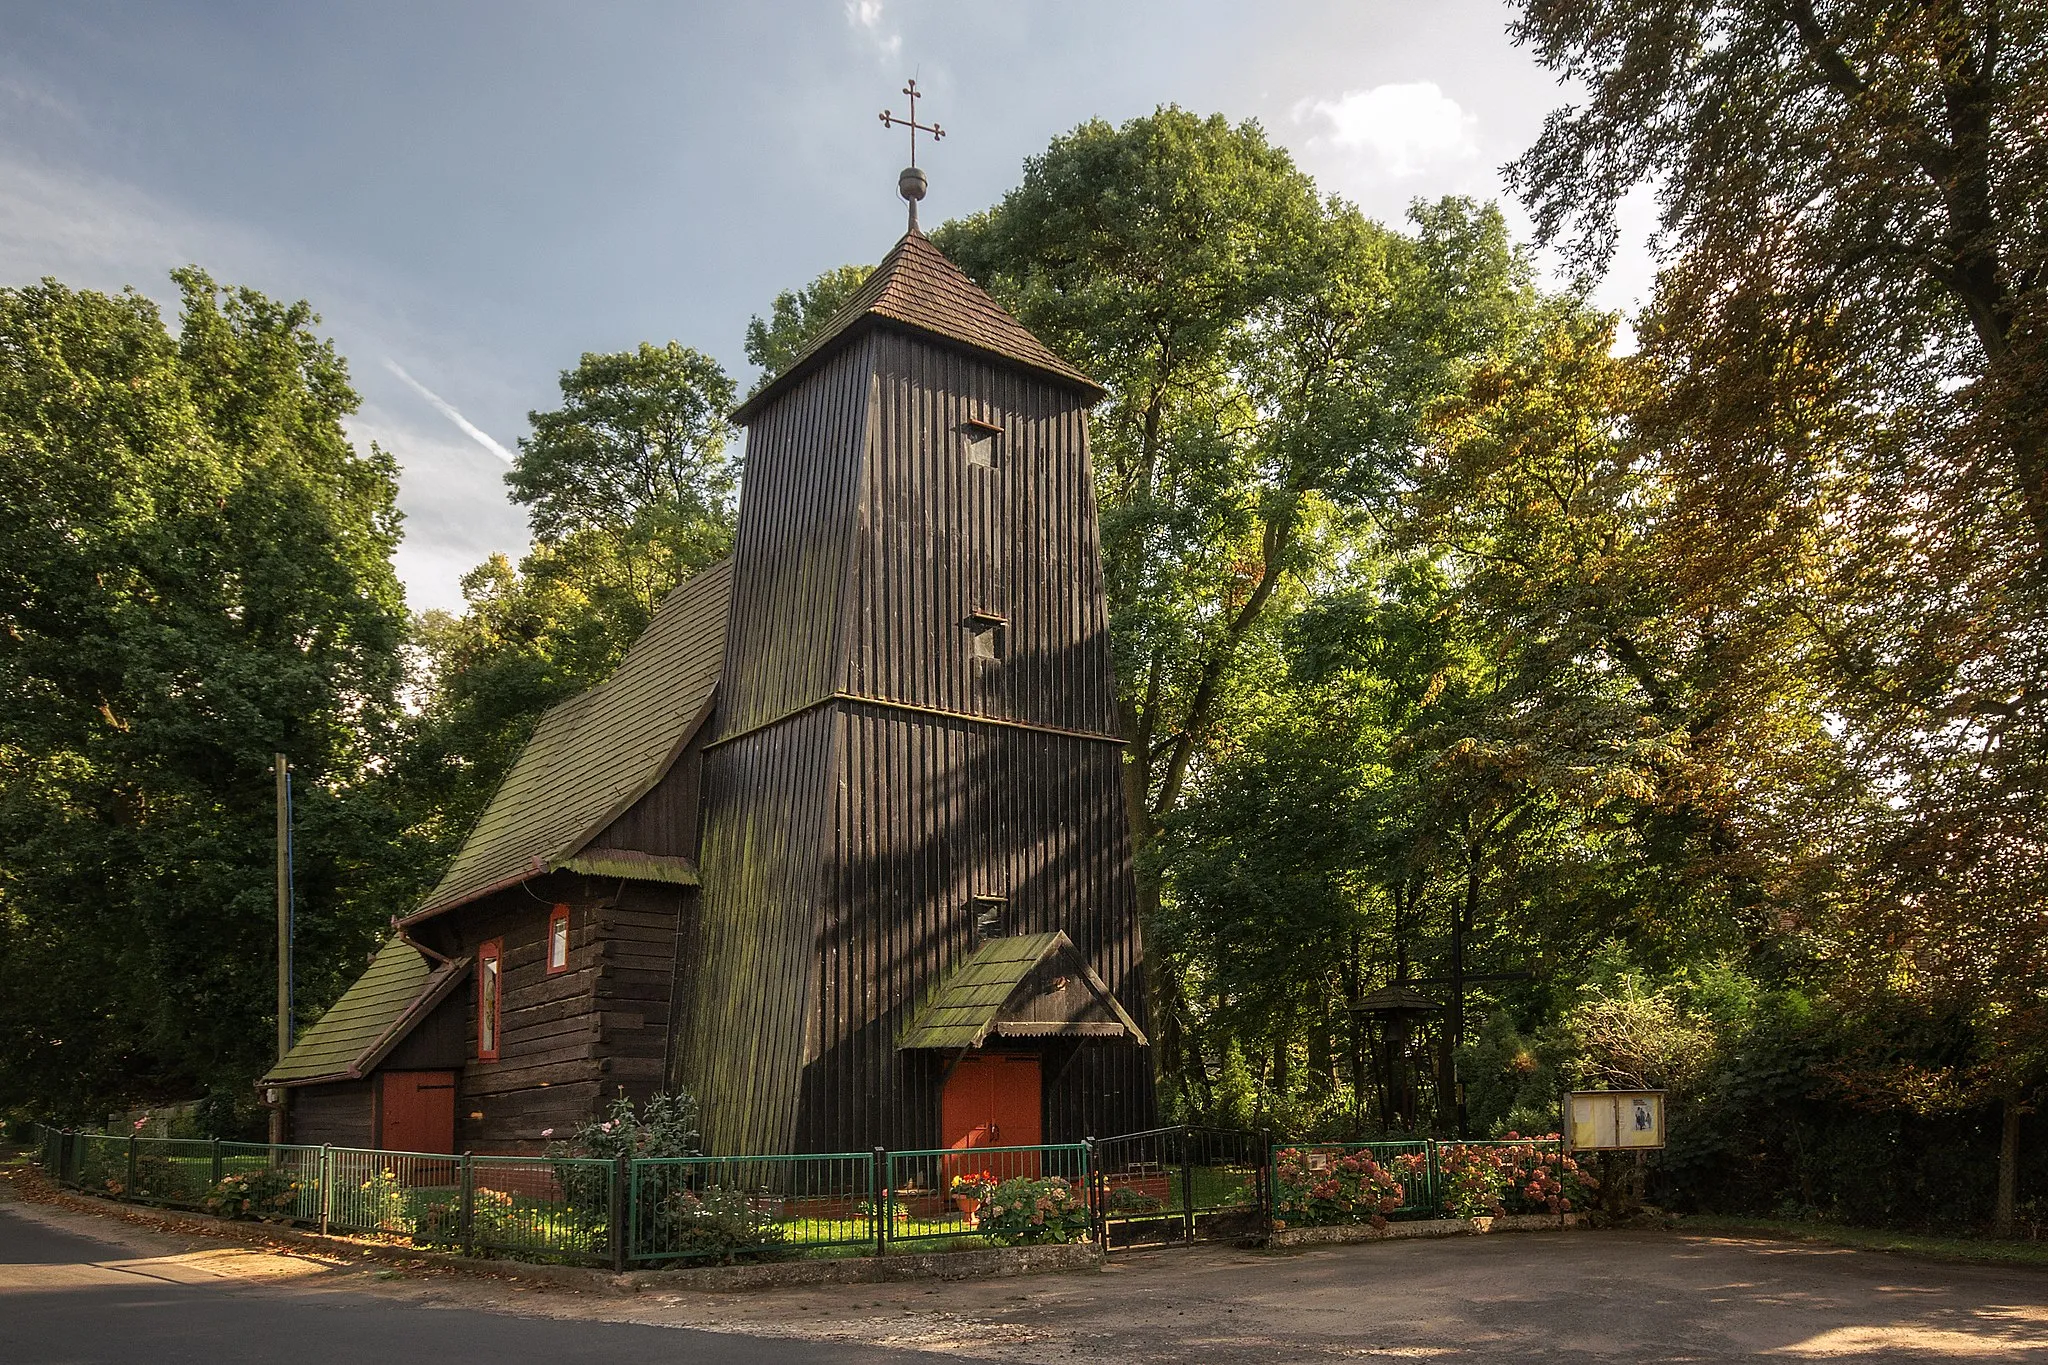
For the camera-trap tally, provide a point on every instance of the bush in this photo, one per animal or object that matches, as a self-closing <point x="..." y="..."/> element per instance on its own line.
<point x="269" y="1194"/>
<point x="667" y="1126"/>
<point x="1313" y="1189"/>
<point x="1027" y="1209"/>
<point x="717" y="1224"/>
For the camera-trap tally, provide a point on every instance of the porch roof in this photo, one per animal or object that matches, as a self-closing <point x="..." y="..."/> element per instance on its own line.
<point x="972" y="1001"/>
<point x="399" y="988"/>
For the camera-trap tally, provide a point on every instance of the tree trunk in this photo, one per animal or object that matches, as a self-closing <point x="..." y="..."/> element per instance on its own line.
<point x="2002" y="1212"/>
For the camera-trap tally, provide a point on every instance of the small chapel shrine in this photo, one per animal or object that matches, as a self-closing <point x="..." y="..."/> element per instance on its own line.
<point x="841" y="847"/>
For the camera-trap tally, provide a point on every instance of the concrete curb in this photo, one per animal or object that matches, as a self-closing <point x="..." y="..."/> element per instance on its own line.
<point x="981" y="1263"/>
<point x="1433" y="1227"/>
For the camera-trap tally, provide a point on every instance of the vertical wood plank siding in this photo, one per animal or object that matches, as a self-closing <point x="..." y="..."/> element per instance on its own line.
<point x="843" y="844"/>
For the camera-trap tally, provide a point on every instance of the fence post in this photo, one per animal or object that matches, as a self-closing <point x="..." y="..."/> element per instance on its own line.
<point x="326" y="1186"/>
<point x="215" y="1153"/>
<point x="1436" y="1204"/>
<point x="468" y="1206"/>
<point x="1091" y="1173"/>
<point x="1266" y="1184"/>
<point x="880" y="1199"/>
<point x="1187" y="1189"/>
<point x="622" y="1176"/>
<point x="129" y="1192"/>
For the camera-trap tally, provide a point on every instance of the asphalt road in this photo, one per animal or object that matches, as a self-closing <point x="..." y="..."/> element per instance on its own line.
<point x="70" y="1300"/>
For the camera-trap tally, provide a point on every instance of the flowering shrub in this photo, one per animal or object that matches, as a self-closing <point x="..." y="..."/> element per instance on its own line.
<point x="1480" y="1180"/>
<point x="268" y="1193"/>
<point x="1313" y="1188"/>
<point x="666" y="1126"/>
<point x="1128" y="1199"/>
<point x="715" y="1223"/>
<point x="1027" y="1209"/>
<point x="382" y="1203"/>
<point x="975" y="1186"/>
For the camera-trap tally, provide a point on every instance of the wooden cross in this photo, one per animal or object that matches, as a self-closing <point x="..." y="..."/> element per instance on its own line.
<point x="889" y="120"/>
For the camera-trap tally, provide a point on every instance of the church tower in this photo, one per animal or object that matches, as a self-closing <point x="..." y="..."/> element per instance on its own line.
<point x="917" y="911"/>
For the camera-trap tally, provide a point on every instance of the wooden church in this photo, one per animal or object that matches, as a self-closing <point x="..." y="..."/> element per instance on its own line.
<point x="841" y="846"/>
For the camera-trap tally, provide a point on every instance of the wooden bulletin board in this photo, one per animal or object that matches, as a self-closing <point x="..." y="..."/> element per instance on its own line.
<point x="1614" y="1120"/>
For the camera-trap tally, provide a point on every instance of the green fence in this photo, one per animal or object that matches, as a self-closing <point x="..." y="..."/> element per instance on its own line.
<point x="750" y="1208"/>
<point x="642" y="1212"/>
<point x="956" y="1192"/>
<point x="1175" y="1184"/>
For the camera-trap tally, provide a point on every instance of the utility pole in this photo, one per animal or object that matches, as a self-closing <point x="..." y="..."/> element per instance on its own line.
<point x="284" y="928"/>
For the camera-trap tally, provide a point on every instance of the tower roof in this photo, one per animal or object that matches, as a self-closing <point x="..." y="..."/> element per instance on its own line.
<point x="915" y="286"/>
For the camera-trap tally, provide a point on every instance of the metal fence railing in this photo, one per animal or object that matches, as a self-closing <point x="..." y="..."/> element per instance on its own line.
<point x="961" y="1191"/>
<point x="1175" y="1184"/>
<point x="748" y="1208"/>
<point x="1166" y="1186"/>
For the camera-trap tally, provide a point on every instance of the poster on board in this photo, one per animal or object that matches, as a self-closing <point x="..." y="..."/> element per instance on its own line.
<point x="1614" y="1120"/>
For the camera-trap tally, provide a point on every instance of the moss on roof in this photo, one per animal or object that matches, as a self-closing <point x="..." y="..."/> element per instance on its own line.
<point x="969" y="1001"/>
<point x="595" y="754"/>
<point x="400" y="986"/>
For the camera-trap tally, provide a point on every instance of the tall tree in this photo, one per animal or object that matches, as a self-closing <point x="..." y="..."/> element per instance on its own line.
<point x="630" y="489"/>
<point x="1852" y="399"/>
<point x="1268" y="356"/>
<point x="797" y="315"/>
<point x="195" y="571"/>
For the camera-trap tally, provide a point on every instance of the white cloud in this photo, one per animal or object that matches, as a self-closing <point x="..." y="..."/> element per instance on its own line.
<point x="1401" y="131"/>
<point x="865" y="17"/>
<point x="447" y="409"/>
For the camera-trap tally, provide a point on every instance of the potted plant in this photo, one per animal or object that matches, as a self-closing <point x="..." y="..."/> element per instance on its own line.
<point x="969" y="1191"/>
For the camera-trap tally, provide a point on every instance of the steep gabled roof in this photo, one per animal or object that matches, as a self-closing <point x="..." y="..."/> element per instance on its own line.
<point x="400" y="988"/>
<point x="597" y="753"/>
<point x="978" y="997"/>
<point x="916" y="286"/>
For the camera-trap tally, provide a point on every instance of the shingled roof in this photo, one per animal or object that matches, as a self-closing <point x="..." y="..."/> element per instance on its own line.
<point x="597" y="753"/>
<point x="972" y="1000"/>
<point x="915" y="286"/>
<point x="398" y="990"/>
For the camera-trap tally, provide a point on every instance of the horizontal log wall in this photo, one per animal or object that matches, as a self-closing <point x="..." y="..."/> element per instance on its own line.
<point x="570" y="1042"/>
<point x="339" y="1115"/>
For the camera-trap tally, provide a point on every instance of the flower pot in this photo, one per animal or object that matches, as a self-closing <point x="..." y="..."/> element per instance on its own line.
<point x="967" y="1204"/>
<point x="1482" y="1224"/>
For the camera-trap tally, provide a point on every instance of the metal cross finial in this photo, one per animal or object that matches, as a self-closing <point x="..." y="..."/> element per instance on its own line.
<point x="889" y="120"/>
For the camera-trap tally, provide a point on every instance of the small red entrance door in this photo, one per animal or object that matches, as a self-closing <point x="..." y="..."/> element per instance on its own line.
<point x="418" y="1111"/>
<point x="993" y="1099"/>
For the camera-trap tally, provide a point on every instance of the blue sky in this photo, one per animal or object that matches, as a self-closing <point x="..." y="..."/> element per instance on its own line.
<point x="473" y="194"/>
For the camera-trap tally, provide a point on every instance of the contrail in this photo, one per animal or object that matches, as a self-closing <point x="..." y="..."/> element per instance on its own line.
<point x="447" y="409"/>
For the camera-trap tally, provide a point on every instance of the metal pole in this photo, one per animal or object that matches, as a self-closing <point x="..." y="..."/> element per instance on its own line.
<point x="129" y="1192"/>
<point x="622" y="1174"/>
<point x="216" y="1161"/>
<point x="1187" y="1190"/>
<point x="326" y="1186"/>
<point x="281" y="771"/>
<point x="468" y="1206"/>
<point x="878" y="1199"/>
<point x="1092" y="1175"/>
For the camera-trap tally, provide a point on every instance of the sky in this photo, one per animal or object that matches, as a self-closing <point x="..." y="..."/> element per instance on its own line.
<point x="474" y="194"/>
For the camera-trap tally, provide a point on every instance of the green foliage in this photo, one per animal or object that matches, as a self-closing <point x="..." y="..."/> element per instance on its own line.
<point x="1024" y="1210"/>
<point x="630" y="491"/>
<point x="269" y="1194"/>
<point x="195" y="572"/>
<point x="717" y="1224"/>
<point x="668" y="1125"/>
<point x="1315" y="1188"/>
<point x="796" y="316"/>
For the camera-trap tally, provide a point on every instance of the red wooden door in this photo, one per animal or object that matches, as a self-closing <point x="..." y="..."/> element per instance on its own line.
<point x="418" y="1109"/>
<point x="993" y="1099"/>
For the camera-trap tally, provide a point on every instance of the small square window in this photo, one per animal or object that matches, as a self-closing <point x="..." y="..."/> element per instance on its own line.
<point x="983" y="444"/>
<point x="984" y="637"/>
<point x="558" y="940"/>
<point x="991" y="916"/>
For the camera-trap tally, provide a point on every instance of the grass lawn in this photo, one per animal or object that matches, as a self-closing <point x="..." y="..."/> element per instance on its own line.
<point x="1985" y="1250"/>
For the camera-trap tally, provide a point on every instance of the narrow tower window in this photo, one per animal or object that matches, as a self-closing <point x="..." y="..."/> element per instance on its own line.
<point x="983" y="443"/>
<point x="558" y="940"/>
<point x="488" y="1006"/>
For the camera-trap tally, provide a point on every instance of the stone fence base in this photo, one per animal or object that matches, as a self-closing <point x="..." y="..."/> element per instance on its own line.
<point x="1432" y="1227"/>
